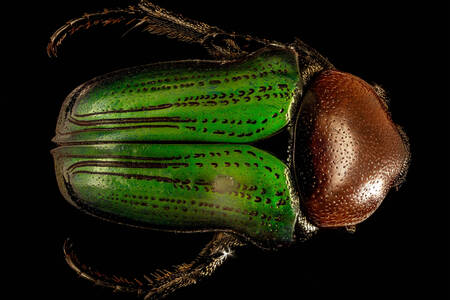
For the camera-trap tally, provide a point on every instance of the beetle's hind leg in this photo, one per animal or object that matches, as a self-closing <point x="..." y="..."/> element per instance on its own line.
<point x="162" y="282"/>
<point x="115" y="282"/>
<point x="159" y="21"/>
<point x="210" y="258"/>
<point x="88" y="20"/>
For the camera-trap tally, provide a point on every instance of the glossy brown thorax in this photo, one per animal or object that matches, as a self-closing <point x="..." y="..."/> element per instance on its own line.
<point x="348" y="152"/>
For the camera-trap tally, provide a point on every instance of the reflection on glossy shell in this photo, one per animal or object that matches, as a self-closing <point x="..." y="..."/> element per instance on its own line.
<point x="349" y="153"/>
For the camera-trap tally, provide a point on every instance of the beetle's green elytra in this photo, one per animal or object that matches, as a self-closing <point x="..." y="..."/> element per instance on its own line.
<point x="172" y="146"/>
<point x="182" y="187"/>
<point x="197" y="101"/>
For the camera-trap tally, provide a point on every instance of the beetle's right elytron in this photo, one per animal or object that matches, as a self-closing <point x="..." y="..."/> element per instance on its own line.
<point x="166" y="146"/>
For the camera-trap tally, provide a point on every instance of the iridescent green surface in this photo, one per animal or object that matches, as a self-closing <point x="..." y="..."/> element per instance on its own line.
<point x="162" y="146"/>
<point x="199" y="101"/>
<point x="182" y="187"/>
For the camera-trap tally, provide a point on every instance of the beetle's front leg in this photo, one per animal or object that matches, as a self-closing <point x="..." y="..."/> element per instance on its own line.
<point x="163" y="282"/>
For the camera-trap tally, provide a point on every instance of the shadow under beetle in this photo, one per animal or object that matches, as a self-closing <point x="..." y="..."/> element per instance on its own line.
<point x="166" y="146"/>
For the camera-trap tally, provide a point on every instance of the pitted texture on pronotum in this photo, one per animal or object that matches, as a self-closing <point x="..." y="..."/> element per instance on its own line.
<point x="349" y="153"/>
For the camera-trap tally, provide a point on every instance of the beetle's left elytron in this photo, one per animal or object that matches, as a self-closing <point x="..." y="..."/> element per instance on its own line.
<point x="166" y="146"/>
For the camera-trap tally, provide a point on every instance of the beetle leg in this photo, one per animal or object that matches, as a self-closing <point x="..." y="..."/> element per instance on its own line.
<point x="209" y="259"/>
<point x="162" y="282"/>
<point x="86" y="21"/>
<point x="217" y="42"/>
<point x="159" y="21"/>
<point x="117" y="283"/>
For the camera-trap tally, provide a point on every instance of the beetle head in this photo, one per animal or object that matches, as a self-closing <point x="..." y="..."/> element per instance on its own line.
<point x="348" y="152"/>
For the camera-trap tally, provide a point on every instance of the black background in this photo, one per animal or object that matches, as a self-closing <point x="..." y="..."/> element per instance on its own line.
<point x="401" y="251"/>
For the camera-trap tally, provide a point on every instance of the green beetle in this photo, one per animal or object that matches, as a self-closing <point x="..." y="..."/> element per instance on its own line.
<point x="170" y="146"/>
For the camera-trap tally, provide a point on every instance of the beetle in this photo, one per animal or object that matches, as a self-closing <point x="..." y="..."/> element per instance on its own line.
<point x="171" y="146"/>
